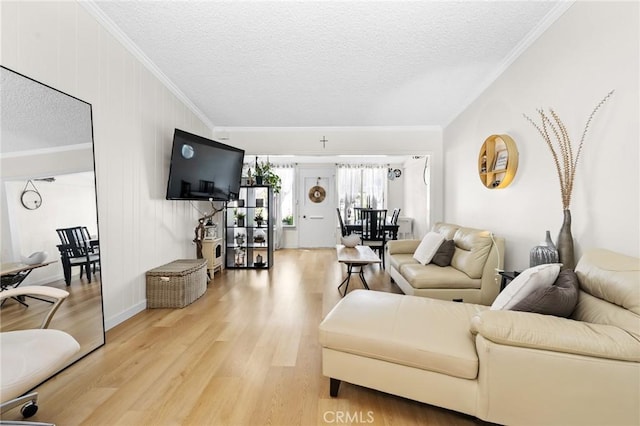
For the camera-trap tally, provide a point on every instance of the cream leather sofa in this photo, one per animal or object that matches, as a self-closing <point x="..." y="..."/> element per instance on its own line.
<point x="505" y="367"/>
<point x="471" y="277"/>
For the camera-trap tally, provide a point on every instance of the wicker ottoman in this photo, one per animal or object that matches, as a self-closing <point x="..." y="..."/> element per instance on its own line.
<point x="176" y="284"/>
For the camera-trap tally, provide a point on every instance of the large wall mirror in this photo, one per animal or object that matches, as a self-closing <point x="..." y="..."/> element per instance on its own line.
<point x="47" y="181"/>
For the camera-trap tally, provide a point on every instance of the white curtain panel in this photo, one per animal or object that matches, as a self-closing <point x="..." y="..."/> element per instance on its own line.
<point x="361" y="185"/>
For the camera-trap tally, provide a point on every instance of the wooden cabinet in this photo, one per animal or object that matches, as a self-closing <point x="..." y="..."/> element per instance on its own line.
<point x="498" y="161"/>
<point x="212" y="250"/>
<point x="249" y="225"/>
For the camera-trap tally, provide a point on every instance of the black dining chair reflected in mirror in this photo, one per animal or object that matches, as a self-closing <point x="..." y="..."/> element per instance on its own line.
<point x="76" y="250"/>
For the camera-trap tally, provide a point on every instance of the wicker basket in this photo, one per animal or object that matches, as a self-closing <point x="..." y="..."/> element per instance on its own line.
<point x="176" y="284"/>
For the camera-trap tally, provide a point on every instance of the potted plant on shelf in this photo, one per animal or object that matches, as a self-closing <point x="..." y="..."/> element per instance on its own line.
<point x="259" y="217"/>
<point x="265" y="175"/>
<point x="240" y="218"/>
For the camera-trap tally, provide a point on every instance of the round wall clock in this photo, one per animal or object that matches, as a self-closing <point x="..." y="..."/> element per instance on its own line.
<point x="31" y="198"/>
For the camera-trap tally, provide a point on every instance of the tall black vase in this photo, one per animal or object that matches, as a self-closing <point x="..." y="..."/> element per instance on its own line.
<point x="565" y="243"/>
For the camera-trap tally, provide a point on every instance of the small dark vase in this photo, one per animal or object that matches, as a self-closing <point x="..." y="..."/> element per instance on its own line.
<point x="258" y="180"/>
<point x="565" y="243"/>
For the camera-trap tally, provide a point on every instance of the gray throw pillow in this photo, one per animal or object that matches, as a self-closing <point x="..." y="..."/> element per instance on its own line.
<point x="444" y="254"/>
<point x="560" y="299"/>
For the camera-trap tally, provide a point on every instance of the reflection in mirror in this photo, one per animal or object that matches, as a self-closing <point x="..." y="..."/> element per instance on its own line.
<point x="46" y="154"/>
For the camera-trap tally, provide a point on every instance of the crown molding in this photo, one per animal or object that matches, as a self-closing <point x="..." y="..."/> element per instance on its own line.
<point x="133" y="48"/>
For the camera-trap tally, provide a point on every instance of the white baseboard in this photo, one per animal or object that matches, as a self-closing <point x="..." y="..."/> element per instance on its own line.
<point x="109" y="323"/>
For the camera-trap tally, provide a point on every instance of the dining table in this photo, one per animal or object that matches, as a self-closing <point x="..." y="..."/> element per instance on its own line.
<point x="13" y="274"/>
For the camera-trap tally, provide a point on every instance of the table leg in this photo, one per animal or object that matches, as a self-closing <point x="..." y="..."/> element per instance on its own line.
<point x="361" y="274"/>
<point x="346" y="280"/>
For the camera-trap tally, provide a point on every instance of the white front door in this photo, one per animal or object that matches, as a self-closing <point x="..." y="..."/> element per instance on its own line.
<point x="317" y="209"/>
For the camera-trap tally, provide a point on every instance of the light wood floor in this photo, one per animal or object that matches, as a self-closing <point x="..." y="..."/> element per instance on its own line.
<point x="246" y="353"/>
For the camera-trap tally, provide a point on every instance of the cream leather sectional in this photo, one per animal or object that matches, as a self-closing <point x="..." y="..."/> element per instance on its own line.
<point x="471" y="277"/>
<point x="505" y="367"/>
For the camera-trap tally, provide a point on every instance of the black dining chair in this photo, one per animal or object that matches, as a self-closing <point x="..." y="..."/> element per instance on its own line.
<point x="76" y="250"/>
<point x="343" y="228"/>
<point x="392" y="234"/>
<point x="374" y="234"/>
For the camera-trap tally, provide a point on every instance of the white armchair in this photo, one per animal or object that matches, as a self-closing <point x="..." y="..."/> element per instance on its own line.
<point x="28" y="357"/>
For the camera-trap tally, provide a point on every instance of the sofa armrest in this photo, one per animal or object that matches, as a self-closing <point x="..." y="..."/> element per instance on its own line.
<point x="402" y="246"/>
<point x="550" y="333"/>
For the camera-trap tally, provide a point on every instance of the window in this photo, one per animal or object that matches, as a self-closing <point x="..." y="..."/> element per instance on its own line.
<point x="287" y="205"/>
<point x="361" y="186"/>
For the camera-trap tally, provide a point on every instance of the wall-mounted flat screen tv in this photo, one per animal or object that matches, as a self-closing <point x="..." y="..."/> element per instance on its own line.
<point x="203" y="169"/>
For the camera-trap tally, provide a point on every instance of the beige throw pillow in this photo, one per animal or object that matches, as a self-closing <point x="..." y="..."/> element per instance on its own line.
<point x="428" y="247"/>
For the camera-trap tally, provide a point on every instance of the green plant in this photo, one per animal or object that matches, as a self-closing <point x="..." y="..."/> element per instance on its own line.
<point x="240" y="215"/>
<point x="288" y="220"/>
<point x="259" y="217"/>
<point x="265" y="171"/>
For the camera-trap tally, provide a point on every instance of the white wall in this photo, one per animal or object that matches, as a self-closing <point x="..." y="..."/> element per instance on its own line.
<point x="590" y="50"/>
<point x="134" y="115"/>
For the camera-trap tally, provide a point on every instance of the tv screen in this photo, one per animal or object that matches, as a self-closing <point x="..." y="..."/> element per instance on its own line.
<point x="203" y="169"/>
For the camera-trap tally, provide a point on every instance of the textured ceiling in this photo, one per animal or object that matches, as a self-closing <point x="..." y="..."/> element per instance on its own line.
<point x="36" y="117"/>
<point x="329" y="63"/>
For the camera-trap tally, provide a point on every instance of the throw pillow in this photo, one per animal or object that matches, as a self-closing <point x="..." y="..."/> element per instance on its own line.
<point x="529" y="280"/>
<point x="560" y="299"/>
<point x="444" y="254"/>
<point x="428" y="247"/>
<point x="351" y="240"/>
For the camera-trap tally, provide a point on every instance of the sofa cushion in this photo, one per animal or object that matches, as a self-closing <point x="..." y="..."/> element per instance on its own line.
<point x="559" y="299"/>
<point x="406" y="330"/>
<point x="446" y="229"/>
<point x="472" y="249"/>
<point x="398" y="260"/>
<point x="434" y="276"/>
<point x="529" y="280"/>
<point x="444" y="254"/>
<point x="612" y="277"/>
<point x="428" y="247"/>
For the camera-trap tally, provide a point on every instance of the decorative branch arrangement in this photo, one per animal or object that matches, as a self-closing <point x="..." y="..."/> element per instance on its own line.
<point x="199" y="230"/>
<point x="562" y="150"/>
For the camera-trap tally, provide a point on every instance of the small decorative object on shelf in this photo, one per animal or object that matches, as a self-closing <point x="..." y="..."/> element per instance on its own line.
<point x="259" y="236"/>
<point x="240" y="219"/>
<point x="259" y="217"/>
<point x="544" y="253"/>
<point x="239" y="256"/>
<point x="565" y="157"/>
<point x="239" y="239"/>
<point x="259" y="202"/>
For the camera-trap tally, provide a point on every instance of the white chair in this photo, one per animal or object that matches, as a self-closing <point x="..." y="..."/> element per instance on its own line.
<point x="29" y="357"/>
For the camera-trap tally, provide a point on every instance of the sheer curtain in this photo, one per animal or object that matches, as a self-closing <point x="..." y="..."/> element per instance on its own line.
<point x="361" y="185"/>
<point x="284" y="200"/>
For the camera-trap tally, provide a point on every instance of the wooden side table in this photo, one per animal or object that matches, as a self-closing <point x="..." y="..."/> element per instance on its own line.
<point x="507" y="277"/>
